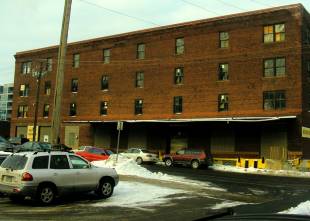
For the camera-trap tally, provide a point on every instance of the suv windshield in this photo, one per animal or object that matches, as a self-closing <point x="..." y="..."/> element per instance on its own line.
<point x="14" y="162"/>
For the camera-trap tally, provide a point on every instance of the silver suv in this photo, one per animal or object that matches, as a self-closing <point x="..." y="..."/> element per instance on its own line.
<point x="46" y="175"/>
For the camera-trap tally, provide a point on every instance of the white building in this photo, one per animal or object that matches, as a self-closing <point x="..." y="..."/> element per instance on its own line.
<point x="6" y="98"/>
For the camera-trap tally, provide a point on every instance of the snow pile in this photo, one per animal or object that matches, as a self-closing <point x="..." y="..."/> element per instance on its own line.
<point x="301" y="209"/>
<point x="290" y="173"/>
<point x="227" y="204"/>
<point x="126" y="166"/>
<point x="139" y="195"/>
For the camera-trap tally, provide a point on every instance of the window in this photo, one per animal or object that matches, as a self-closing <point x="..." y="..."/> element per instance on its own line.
<point x="47" y="88"/>
<point x="274" y="100"/>
<point x="178" y="76"/>
<point x="49" y="63"/>
<point x="177" y="105"/>
<point x="223" y="72"/>
<point x="76" y="60"/>
<point x="139" y="79"/>
<point x="78" y="163"/>
<point x="179" y="46"/>
<point x="138" y="106"/>
<point x="307" y="36"/>
<point x="274" y="67"/>
<point x="105" y="82"/>
<point x="106" y="56"/>
<point x="40" y="162"/>
<point x="308" y="68"/>
<point x="104" y="108"/>
<point x="46" y="110"/>
<point x="22" y="111"/>
<point x="223" y="102"/>
<point x="24" y="90"/>
<point x="26" y="67"/>
<point x="59" y="162"/>
<point x="72" y="111"/>
<point x="74" y="85"/>
<point x="274" y="33"/>
<point x="140" y="51"/>
<point x="224" y="39"/>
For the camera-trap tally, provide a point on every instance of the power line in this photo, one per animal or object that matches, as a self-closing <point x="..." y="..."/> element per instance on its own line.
<point x="260" y="3"/>
<point x="231" y="5"/>
<point x="120" y="13"/>
<point x="199" y="6"/>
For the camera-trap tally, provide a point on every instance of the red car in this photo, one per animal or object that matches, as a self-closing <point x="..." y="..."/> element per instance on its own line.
<point x="94" y="153"/>
<point x="192" y="157"/>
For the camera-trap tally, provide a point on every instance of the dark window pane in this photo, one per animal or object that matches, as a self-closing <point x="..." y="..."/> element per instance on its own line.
<point x="59" y="162"/>
<point x="40" y="162"/>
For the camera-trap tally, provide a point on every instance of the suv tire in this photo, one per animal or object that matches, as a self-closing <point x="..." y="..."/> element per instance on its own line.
<point x="195" y="164"/>
<point x="168" y="162"/>
<point x="105" y="188"/>
<point x="139" y="160"/>
<point x="46" y="194"/>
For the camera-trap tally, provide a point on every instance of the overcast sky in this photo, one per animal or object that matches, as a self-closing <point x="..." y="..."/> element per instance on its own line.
<point x="29" y="24"/>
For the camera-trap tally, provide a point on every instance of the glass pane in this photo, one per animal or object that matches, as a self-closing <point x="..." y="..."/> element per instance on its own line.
<point x="280" y="28"/>
<point x="268" y="38"/>
<point x="224" y="35"/>
<point x="268" y="29"/>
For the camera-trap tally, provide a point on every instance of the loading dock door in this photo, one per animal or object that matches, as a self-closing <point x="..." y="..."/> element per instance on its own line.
<point x="274" y="145"/>
<point x="72" y="136"/>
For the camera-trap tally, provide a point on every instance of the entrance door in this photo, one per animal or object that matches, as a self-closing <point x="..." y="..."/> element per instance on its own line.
<point x="72" y="136"/>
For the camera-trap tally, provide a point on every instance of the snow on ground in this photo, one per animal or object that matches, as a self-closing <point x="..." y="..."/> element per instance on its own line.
<point x="288" y="173"/>
<point x="301" y="209"/>
<point x="227" y="204"/>
<point x="126" y="166"/>
<point x="139" y="195"/>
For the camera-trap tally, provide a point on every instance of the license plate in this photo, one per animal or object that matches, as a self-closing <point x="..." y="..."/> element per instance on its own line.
<point x="8" y="179"/>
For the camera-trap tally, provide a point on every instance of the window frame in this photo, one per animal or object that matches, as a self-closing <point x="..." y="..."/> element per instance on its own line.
<point x="274" y="68"/>
<point x="224" y="41"/>
<point x="73" y="109"/>
<point x="274" y="33"/>
<point x="47" y="87"/>
<point x="104" y="108"/>
<point x="223" y="76"/>
<point x="139" y="79"/>
<point x="179" y="47"/>
<point x="106" y="55"/>
<point x="25" y="92"/>
<point x="179" y="79"/>
<point x="22" y="111"/>
<point x="138" y="107"/>
<point x="49" y="64"/>
<point x="225" y="102"/>
<point x="177" y="104"/>
<point x="276" y="101"/>
<point x="26" y="67"/>
<point x="140" y="51"/>
<point x="105" y="82"/>
<point x="74" y="85"/>
<point x="76" y="60"/>
<point x="46" y="112"/>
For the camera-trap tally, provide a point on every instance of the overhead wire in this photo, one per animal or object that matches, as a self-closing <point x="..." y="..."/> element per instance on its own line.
<point x="231" y="5"/>
<point x="199" y="6"/>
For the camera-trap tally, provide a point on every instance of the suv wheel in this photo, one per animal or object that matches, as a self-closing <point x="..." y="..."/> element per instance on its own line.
<point x="195" y="164"/>
<point x="139" y="160"/>
<point x="105" y="189"/>
<point x="46" y="194"/>
<point x="168" y="162"/>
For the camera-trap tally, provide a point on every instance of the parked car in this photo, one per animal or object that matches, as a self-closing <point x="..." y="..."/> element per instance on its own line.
<point x="94" y="153"/>
<point x="46" y="175"/>
<point x="141" y="155"/>
<point x="192" y="157"/>
<point x="34" y="146"/>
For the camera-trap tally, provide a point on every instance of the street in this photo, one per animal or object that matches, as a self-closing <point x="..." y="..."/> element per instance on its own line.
<point x="205" y="192"/>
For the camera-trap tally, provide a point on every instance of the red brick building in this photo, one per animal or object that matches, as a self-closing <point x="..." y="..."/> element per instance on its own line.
<point x="236" y="84"/>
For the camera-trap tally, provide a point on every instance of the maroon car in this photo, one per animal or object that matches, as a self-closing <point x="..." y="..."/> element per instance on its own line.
<point x="192" y="157"/>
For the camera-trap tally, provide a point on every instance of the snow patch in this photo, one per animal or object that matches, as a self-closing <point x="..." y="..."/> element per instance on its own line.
<point x="139" y="195"/>
<point x="301" y="209"/>
<point x="227" y="204"/>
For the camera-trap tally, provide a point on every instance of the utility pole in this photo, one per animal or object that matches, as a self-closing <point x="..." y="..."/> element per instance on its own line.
<point x="56" y="119"/>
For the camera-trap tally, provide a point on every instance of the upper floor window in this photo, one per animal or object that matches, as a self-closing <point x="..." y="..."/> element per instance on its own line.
<point x="46" y="110"/>
<point x="139" y="79"/>
<point x="74" y="85"/>
<point x="274" y="67"/>
<point x="72" y="111"/>
<point x="26" y="67"/>
<point x="22" y="111"/>
<point x="105" y="82"/>
<point x="274" y="100"/>
<point x="24" y="90"/>
<point x="47" y="87"/>
<point x="76" y="60"/>
<point x="140" y="51"/>
<point x="223" y="102"/>
<point x="138" y="106"/>
<point x="106" y="56"/>
<point x="179" y="75"/>
<point x="177" y="105"/>
<point x="223" y="72"/>
<point x="224" y="39"/>
<point x="274" y="33"/>
<point x="104" y="108"/>
<point x="49" y="64"/>
<point x="179" y="46"/>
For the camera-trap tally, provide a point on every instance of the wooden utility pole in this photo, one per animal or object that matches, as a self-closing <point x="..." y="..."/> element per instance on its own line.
<point x="56" y="119"/>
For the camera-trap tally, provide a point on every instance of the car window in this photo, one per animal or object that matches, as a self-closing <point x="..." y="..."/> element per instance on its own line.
<point x="14" y="162"/>
<point x="146" y="151"/>
<point x="136" y="151"/>
<point x="78" y="163"/>
<point x="96" y="151"/>
<point x="59" y="162"/>
<point x="109" y="152"/>
<point x="180" y="152"/>
<point x="40" y="162"/>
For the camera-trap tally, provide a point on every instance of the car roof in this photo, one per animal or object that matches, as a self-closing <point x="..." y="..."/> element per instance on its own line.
<point x="41" y="153"/>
